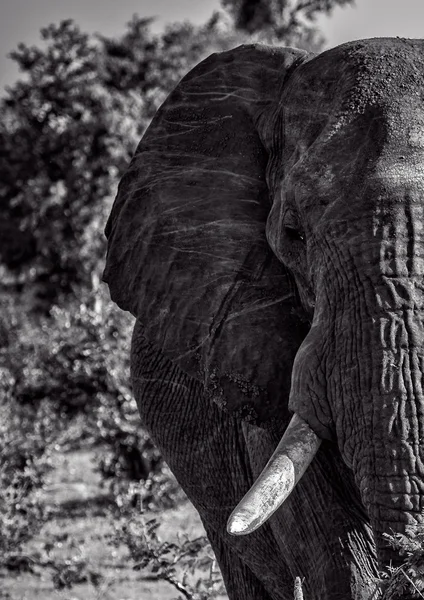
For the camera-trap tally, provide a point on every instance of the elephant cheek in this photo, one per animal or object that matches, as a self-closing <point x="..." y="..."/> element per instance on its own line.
<point x="308" y="394"/>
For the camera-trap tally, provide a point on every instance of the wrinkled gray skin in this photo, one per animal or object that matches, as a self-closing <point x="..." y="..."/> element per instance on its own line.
<point x="321" y="160"/>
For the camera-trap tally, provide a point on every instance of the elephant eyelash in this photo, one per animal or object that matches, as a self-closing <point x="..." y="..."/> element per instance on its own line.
<point x="293" y="234"/>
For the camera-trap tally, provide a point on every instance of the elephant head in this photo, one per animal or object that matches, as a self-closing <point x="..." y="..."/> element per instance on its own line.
<point x="269" y="236"/>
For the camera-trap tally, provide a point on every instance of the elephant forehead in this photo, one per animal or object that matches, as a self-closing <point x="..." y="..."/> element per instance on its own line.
<point x="385" y="73"/>
<point x="331" y="89"/>
<point x="354" y="125"/>
<point x="384" y="145"/>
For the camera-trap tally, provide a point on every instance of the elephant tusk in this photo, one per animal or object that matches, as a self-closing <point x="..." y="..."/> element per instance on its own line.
<point x="284" y="469"/>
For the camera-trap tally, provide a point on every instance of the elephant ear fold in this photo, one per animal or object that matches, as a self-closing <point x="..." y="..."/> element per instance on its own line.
<point x="187" y="253"/>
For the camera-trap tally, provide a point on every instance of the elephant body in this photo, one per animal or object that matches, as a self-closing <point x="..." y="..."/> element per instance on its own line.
<point x="321" y="534"/>
<point x="268" y="238"/>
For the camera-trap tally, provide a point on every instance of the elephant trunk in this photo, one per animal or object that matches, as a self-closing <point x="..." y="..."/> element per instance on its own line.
<point x="360" y="375"/>
<point x="392" y="491"/>
<point x="378" y="417"/>
<point x="358" y="378"/>
<point x="380" y="412"/>
<point x="388" y="455"/>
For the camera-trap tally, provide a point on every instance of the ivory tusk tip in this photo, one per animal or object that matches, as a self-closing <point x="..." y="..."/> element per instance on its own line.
<point x="237" y="525"/>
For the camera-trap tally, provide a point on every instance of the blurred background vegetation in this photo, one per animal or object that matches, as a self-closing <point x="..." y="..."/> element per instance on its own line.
<point x="70" y="125"/>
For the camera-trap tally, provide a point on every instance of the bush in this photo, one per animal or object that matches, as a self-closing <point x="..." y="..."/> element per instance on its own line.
<point x="406" y="581"/>
<point x="24" y="461"/>
<point x="188" y="565"/>
<point x="76" y="362"/>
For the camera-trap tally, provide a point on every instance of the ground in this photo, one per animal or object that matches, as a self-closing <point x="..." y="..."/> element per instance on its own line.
<point x="81" y="529"/>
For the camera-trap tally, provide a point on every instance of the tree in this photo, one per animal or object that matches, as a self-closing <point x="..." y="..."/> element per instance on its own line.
<point x="288" y="21"/>
<point x="63" y="144"/>
<point x="70" y="128"/>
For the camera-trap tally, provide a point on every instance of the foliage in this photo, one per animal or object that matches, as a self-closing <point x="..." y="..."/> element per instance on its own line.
<point x="76" y="361"/>
<point x="24" y="461"/>
<point x="65" y="358"/>
<point x="176" y="563"/>
<point x="406" y="581"/>
<point x="70" y="572"/>
<point x="64" y="143"/>
<point x="70" y="128"/>
<point x="27" y="435"/>
<point x="287" y="21"/>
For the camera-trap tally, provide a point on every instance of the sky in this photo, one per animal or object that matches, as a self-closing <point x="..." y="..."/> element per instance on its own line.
<point x="21" y="20"/>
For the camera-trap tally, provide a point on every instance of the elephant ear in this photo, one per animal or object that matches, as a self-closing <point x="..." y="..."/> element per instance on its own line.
<point x="187" y="252"/>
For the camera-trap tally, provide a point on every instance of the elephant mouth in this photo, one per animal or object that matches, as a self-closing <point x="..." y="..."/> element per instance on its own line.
<point x="285" y="468"/>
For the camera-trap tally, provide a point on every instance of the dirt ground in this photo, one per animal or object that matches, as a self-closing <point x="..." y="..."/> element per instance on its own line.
<point x="82" y="529"/>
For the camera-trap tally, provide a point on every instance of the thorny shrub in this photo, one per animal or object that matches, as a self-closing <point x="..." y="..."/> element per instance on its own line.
<point x="188" y="565"/>
<point x="406" y="581"/>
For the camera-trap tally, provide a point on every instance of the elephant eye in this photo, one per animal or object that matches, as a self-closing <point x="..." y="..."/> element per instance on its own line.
<point x="294" y="234"/>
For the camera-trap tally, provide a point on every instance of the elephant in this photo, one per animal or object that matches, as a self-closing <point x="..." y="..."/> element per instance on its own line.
<point x="268" y="238"/>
